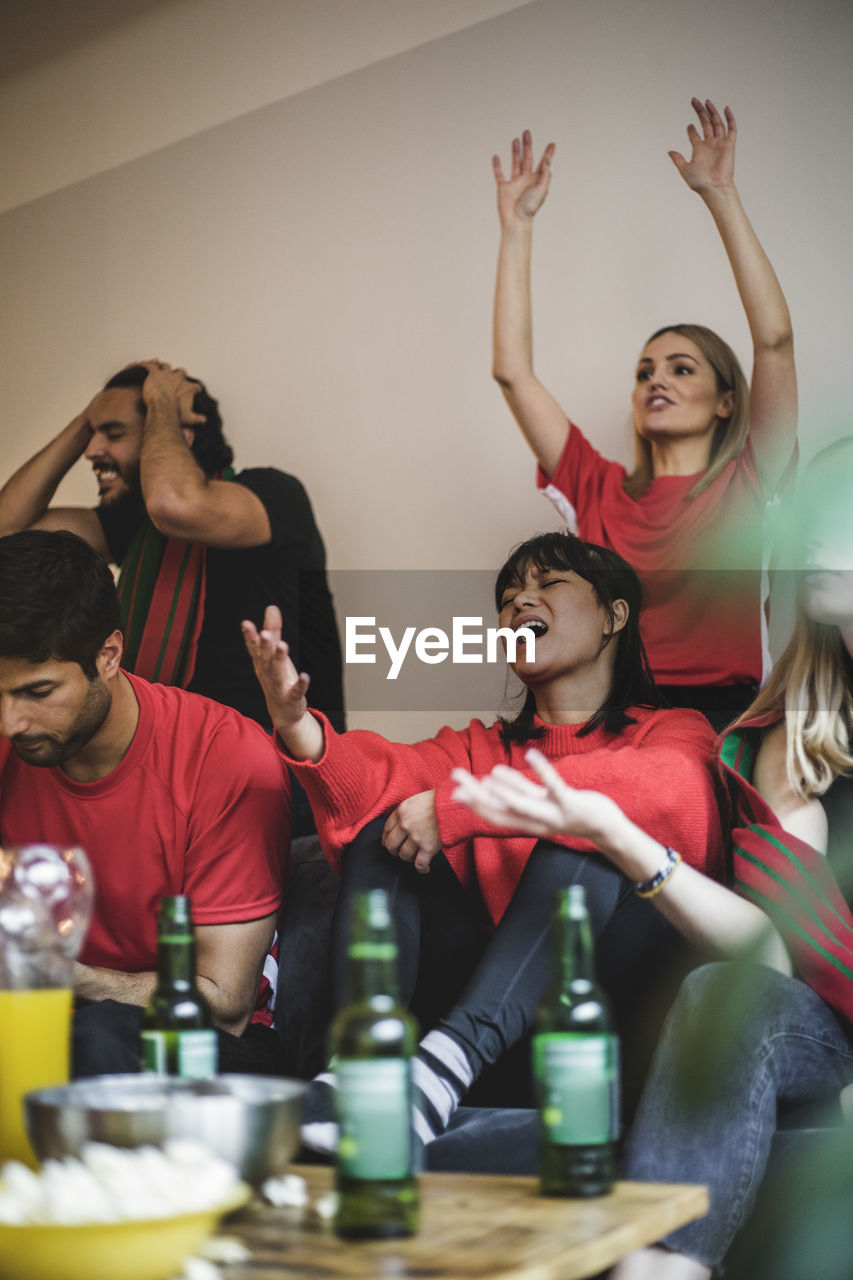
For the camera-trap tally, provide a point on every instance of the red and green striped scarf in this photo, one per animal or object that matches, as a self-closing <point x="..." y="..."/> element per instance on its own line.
<point x="792" y="882"/>
<point x="161" y="588"/>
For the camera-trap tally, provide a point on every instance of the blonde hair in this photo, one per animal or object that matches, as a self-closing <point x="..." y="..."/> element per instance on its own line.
<point x="729" y="433"/>
<point x="812" y="683"/>
<point x="811" y="686"/>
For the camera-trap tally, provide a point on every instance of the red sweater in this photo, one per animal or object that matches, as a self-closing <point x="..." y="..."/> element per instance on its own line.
<point x="661" y="771"/>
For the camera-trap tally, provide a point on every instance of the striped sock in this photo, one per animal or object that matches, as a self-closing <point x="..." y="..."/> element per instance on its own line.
<point x="441" y="1074"/>
<point x="319" y="1131"/>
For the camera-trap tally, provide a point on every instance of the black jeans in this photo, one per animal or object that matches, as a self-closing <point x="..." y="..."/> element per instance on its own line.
<point x="105" y="1041"/>
<point x="482" y="986"/>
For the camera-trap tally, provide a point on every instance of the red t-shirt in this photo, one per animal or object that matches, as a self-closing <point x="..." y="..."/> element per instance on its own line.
<point x="699" y="559"/>
<point x="661" y="770"/>
<point x="199" y="805"/>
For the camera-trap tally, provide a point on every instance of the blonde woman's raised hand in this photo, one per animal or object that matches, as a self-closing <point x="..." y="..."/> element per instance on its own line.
<point x="521" y="195"/>
<point x="712" y="162"/>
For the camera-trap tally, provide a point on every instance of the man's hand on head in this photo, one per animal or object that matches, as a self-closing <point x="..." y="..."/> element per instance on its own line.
<point x="165" y="383"/>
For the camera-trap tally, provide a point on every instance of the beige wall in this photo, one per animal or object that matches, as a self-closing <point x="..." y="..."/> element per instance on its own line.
<point x="171" y="69"/>
<point x="295" y="200"/>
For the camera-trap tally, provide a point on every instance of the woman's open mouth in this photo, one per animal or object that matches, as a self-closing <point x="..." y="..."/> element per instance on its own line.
<point x="531" y="623"/>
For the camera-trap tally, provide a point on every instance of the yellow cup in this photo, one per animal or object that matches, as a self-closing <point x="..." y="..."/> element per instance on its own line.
<point x="46" y="896"/>
<point x="35" y="1051"/>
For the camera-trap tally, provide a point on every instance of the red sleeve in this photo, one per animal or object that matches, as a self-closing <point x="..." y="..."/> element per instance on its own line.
<point x="238" y="839"/>
<point x="580" y="472"/>
<point x="665" y="780"/>
<point x="361" y="775"/>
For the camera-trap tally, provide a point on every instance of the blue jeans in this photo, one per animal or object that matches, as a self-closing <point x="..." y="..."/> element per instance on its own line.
<point x="740" y="1041"/>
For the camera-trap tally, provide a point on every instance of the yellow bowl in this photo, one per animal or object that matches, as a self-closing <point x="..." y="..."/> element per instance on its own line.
<point x="144" y="1249"/>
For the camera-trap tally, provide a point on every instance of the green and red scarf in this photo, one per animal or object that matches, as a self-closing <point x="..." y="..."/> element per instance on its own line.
<point x="161" y="588"/>
<point x="791" y="882"/>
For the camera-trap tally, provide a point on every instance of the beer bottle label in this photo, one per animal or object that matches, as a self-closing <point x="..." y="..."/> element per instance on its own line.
<point x="154" y="1051"/>
<point x="192" y="1054"/>
<point x="374" y="1118"/>
<point x="578" y="1086"/>
<point x="197" y="1054"/>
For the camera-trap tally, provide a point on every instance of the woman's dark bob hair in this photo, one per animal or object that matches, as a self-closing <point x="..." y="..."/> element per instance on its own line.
<point x="611" y="578"/>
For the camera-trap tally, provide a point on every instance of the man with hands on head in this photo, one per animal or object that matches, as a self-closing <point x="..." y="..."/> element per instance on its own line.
<point x="167" y="792"/>
<point x="199" y="547"/>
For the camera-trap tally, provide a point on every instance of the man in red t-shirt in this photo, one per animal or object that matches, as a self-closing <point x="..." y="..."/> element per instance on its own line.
<point x="167" y="792"/>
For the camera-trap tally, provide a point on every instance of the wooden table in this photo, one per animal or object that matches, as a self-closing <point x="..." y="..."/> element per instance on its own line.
<point x="472" y="1228"/>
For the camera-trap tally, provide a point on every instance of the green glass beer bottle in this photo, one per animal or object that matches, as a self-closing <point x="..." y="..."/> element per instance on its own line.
<point x="178" y="1036"/>
<point x="575" y="1064"/>
<point x="372" y="1041"/>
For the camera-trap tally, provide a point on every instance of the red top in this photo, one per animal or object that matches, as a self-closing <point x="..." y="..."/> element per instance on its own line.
<point x="661" y="771"/>
<point x="699" y="559"/>
<point x="199" y="805"/>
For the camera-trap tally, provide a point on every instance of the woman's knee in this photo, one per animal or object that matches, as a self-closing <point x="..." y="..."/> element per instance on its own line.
<point x="552" y="867"/>
<point x="752" y="994"/>
<point x="730" y="1019"/>
<point x="707" y="982"/>
<point x="365" y="850"/>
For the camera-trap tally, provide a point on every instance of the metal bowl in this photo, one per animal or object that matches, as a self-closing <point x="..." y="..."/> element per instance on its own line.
<point x="253" y="1121"/>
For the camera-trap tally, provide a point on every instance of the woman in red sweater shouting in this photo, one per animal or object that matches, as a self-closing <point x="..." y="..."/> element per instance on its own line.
<point x="592" y="709"/>
<point x="710" y="450"/>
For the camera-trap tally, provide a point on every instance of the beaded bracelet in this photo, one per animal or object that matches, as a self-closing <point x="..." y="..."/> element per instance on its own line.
<point x="649" y="888"/>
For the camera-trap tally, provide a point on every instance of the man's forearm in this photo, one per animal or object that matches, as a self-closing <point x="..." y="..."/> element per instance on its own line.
<point x="93" y="984"/>
<point x="26" y="496"/>
<point x="170" y="475"/>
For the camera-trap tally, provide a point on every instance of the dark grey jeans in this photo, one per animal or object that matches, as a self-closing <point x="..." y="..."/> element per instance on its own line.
<point x="739" y="1042"/>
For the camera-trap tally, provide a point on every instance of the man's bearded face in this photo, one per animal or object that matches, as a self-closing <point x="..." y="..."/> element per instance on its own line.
<point x="51" y="710"/>
<point x="117" y="421"/>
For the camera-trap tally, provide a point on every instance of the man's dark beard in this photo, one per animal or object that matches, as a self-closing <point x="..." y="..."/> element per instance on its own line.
<point x="129" y="501"/>
<point x="48" y="750"/>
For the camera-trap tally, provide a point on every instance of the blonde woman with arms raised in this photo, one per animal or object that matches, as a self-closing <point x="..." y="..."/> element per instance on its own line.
<point x="709" y="448"/>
